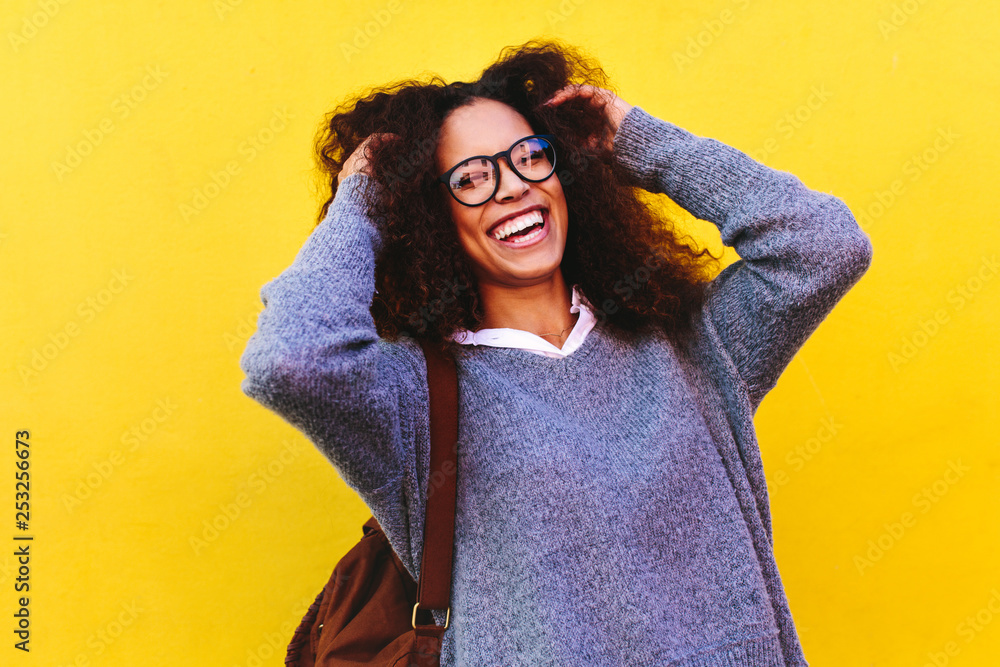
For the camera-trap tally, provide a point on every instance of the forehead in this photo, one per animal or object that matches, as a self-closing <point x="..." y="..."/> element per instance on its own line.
<point x="483" y="127"/>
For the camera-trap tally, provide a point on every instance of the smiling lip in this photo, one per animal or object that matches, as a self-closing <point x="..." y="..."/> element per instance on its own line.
<point x="534" y="238"/>
<point x="536" y="207"/>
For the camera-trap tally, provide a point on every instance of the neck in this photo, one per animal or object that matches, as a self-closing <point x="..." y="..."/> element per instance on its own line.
<point x="541" y="308"/>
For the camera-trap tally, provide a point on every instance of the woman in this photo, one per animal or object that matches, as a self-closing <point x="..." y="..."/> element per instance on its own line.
<point x="611" y="502"/>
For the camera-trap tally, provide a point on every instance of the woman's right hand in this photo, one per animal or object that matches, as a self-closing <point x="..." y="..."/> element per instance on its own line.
<point x="613" y="107"/>
<point x="357" y="162"/>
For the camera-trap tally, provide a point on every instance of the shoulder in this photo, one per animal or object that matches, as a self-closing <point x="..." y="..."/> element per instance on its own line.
<point x="404" y="359"/>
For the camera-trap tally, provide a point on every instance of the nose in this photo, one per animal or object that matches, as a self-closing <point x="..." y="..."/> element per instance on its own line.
<point x="512" y="187"/>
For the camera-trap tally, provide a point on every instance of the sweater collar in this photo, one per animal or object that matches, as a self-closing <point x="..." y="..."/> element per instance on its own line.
<point x="525" y="340"/>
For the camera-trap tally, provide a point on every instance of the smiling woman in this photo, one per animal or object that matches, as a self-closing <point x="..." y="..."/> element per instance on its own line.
<point x="515" y="238"/>
<point x="408" y="135"/>
<point x="611" y="505"/>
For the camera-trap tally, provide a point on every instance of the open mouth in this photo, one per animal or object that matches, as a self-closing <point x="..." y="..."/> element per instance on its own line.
<point x="527" y="227"/>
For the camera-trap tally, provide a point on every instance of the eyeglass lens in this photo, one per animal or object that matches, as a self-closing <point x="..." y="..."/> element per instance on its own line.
<point x="474" y="181"/>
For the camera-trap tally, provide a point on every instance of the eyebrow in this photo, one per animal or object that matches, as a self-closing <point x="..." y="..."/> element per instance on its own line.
<point x="494" y="155"/>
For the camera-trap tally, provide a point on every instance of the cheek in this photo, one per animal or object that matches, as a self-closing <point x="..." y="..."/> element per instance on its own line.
<point x="465" y="221"/>
<point x="468" y="239"/>
<point x="460" y="225"/>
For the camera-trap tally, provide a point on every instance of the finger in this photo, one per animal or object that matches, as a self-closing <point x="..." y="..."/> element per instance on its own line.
<point x="363" y="153"/>
<point x="569" y="92"/>
<point x="379" y="137"/>
<point x="575" y="90"/>
<point x="372" y="141"/>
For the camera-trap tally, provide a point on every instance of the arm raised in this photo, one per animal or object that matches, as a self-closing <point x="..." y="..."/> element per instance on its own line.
<point x="317" y="360"/>
<point x="800" y="250"/>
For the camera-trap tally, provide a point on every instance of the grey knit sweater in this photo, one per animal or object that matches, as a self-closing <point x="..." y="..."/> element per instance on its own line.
<point x="612" y="507"/>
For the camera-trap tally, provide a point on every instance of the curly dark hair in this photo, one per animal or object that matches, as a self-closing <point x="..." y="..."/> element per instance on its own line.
<point x="626" y="257"/>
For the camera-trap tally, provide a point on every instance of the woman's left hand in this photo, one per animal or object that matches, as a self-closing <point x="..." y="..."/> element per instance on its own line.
<point x="614" y="107"/>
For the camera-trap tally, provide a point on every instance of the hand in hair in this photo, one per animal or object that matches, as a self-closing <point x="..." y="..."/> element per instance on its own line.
<point x="358" y="160"/>
<point x="614" y="107"/>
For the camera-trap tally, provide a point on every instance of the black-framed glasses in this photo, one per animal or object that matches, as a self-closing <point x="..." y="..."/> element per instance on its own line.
<point x="475" y="180"/>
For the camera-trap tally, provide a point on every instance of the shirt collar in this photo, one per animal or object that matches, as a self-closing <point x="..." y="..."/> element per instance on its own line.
<point x="525" y="340"/>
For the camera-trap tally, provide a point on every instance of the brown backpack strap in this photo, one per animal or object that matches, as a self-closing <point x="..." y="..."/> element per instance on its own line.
<point x="434" y="587"/>
<point x="299" y="647"/>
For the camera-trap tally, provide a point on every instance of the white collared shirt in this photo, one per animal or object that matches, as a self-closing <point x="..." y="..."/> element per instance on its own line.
<point x="525" y="340"/>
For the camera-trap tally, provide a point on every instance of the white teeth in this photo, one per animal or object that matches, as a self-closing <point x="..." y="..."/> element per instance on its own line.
<point x="517" y="224"/>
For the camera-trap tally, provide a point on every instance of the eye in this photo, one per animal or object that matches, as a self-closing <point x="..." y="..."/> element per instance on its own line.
<point x="470" y="180"/>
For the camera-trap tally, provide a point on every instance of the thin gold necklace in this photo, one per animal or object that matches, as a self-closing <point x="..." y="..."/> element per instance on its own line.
<point x="561" y="332"/>
<point x="558" y="334"/>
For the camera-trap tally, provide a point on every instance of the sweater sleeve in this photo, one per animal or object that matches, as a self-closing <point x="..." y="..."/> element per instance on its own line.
<point x="317" y="360"/>
<point x="800" y="250"/>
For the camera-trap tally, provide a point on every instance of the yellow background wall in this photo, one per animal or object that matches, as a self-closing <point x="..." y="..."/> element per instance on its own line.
<point x="130" y="277"/>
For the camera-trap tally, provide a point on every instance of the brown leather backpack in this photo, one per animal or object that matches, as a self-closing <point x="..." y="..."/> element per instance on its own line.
<point x="368" y="611"/>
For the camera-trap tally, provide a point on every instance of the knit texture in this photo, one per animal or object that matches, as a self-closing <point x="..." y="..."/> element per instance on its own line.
<point x="611" y="505"/>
